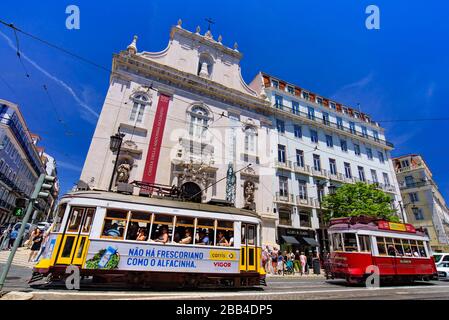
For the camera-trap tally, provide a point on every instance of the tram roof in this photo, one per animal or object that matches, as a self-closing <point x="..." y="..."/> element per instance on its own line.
<point x="154" y="201"/>
<point x="372" y="224"/>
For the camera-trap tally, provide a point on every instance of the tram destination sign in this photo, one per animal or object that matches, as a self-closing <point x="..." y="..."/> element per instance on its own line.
<point x="404" y="227"/>
<point x="161" y="258"/>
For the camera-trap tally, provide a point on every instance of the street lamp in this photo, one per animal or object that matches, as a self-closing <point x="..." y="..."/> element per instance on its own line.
<point x="115" y="145"/>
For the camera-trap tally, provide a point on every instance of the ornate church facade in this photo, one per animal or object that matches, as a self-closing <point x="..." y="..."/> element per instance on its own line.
<point x="188" y="120"/>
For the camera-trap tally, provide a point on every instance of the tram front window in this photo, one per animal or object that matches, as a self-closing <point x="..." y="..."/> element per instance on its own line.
<point x="337" y="243"/>
<point x="114" y="224"/>
<point x="350" y="242"/>
<point x="59" y="217"/>
<point x="364" y="244"/>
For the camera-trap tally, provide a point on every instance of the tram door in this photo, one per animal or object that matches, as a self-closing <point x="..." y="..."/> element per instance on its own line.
<point x="75" y="239"/>
<point x="248" y="251"/>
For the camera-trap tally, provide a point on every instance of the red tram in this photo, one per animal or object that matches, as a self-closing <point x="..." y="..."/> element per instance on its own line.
<point x="398" y="250"/>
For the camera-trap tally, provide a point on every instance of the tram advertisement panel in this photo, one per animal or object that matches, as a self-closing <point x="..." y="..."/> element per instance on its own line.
<point x="149" y="257"/>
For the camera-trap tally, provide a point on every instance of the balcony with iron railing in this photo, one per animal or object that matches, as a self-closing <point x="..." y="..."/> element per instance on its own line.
<point x="307" y="202"/>
<point x="326" y="123"/>
<point x="302" y="169"/>
<point x="319" y="173"/>
<point x="410" y="168"/>
<point x="411" y="185"/>
<point x="287" y="165"/>
<point x="286" y="198"/>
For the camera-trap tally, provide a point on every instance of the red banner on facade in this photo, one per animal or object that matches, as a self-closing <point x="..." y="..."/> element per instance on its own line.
<point x="154" y="148"/>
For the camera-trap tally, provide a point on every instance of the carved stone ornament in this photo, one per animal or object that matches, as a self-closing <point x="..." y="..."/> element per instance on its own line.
<point x="123" y="172"/>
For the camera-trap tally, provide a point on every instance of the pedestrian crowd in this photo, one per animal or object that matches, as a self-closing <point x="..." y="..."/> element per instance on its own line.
<point x="276" y="262"/>
<point x="35" y="241"/>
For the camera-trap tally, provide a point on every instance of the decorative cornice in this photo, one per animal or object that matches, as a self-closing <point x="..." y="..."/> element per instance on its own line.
<point x="123" y="63"/>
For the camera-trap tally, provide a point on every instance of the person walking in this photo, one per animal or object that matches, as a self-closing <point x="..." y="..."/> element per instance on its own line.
<point x="303" y="261"/>
<point x="12" y="237"/>
<point x="274" y="260"/>
<point x="44" y="242"/>
<point x="280" y="266"/>
<point x="36" y="241"/>
<point x="296" y="262"/>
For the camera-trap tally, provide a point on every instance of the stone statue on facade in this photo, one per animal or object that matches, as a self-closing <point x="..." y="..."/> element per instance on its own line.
<point x="230" y="184"/>
<point x="248" y="193"/>
<point x="123" y="172"/>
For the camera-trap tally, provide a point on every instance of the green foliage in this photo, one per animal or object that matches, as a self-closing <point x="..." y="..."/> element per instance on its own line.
<point x="352" y="200"/>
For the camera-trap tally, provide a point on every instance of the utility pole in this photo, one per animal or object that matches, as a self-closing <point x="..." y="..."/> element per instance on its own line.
<point x="39" y="191"/>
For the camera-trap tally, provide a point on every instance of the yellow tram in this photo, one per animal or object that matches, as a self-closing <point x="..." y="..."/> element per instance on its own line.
<point x="147" y="241"/>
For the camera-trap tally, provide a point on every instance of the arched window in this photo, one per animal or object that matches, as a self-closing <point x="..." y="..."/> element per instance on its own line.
<point x="250" y="140"/>
<point x="138" y="109"/>
<point x="199" y="118"/>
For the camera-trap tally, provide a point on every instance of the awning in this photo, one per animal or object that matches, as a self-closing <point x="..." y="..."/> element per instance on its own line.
<point x="311" y="241"/>
<point x="290" y="239"/>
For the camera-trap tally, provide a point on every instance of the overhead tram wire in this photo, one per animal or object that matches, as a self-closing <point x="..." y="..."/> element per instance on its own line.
<point x="99" y="66"/>
<point x="19" y="55"/>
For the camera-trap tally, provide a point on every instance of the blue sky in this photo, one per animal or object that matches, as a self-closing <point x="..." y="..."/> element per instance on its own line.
<point x="397" y="72"/>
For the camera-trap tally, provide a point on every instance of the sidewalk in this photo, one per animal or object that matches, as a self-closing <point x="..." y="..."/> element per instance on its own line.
<point x="20" y="259"/>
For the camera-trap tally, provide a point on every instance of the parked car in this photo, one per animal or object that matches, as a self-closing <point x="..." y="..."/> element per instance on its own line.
<point x="44" y="225"/>
<point x="28" y="229"/>
<point x="441" y="257"/>
<point x="443" y="270"/>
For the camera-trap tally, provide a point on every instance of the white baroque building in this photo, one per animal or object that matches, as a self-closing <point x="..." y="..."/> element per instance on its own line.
<point x="190" y="120"/>
<point x="319" y="144"/>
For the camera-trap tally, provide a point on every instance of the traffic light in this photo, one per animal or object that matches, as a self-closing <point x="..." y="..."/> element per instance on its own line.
<point x="18" y="212"/>
<point x="47" y="183"/>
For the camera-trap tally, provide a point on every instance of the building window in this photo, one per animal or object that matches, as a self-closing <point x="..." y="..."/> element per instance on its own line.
<point x="361" y="173"/>
<point x="297" y="131"/>
<point x="316" y="162"/>
<point x="138" y="109"/>
<point x="285" y="217"/>
<point x="326" y="118"/>
<point x="409" y="181"/>
<point x="405" y="164"/>
<point x="333" y="166"/>
<point x="280" y="126"/>
<point x="333" y="106"/>
<point x="386" y="179"/>
<point x="352" y="127"/>
<point x="199" y="118"/>
<point x="311" y="113"/>
<point x="302" y="189"/>
<point x="339" y="123"/>
<point x="344" y="145"/>
<point x="314" y="136"/>
<point x="275" y="84"/>
<point x="305" y="95"/>
<point x="319" y="101"/>
<point x="278" y="102"/>
<point x="348" y="173"/>
<point x="369" y="153"/>
<point x="356" y="149"/>
<point x="376" y="136"/>
<point x="250" y="140"/>
<point x="299" y="158"/>
<point x="290" y="90"/>
<point x="381" y="156"/>
<point x="304" y="220"/>
<point x="365" y="132"/>
<point x="413" y="197"/>
<point x="295" y="107"/>
<point x="374" y="176"/>
<point x="281" y="153"/>
<point x="329" y="141"/>
<point x="417" y="212"/>
<point x="283" y="186"/>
